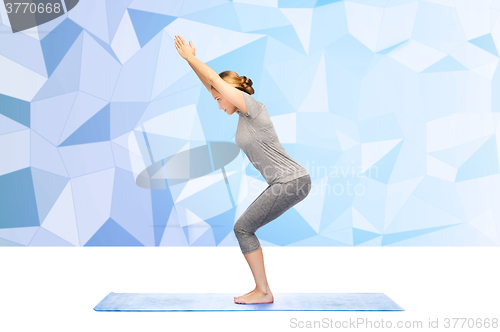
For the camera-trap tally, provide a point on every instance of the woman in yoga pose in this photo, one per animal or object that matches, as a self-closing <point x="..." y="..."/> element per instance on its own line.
<point x="288" y="181"/>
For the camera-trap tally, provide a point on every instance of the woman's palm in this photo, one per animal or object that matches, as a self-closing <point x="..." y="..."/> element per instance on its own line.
<point x="192" y="47"/>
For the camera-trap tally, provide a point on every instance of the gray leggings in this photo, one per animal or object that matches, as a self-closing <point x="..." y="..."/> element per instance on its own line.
<point x="275" y="200"/>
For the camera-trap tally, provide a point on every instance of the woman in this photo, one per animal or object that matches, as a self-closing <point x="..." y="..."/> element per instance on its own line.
<point x="288" y="181"/>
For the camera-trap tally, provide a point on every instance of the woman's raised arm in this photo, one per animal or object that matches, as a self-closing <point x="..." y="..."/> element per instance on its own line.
<point x="204" y="81"/>
<point x="201" y="69"/>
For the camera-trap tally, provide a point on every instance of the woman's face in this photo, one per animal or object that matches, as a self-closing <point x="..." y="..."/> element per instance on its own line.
<point x="224" y="104"/>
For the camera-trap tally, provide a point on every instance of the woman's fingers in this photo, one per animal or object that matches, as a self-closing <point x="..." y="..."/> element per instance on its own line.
<point x="181" y="40"/>
<point x="180" y="43"/>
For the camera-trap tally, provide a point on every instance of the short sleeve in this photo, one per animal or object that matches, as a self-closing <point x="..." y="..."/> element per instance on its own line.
<point x="253" y="106"/>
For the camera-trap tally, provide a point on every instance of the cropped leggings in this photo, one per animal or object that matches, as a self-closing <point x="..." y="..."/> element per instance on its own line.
<point x="275" y="200"/>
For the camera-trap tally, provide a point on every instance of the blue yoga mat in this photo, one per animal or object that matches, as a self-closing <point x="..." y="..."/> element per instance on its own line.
<point x="225" y="302"/>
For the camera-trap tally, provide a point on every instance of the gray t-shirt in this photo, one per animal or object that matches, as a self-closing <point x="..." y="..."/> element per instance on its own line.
<point x="257" y="138"/>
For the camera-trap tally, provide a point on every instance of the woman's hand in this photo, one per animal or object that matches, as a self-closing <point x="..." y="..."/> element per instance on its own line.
<point x="192" y="47"/>
<point x="184" y="50"/>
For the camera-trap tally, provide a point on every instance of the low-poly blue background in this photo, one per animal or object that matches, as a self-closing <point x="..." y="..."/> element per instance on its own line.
<point x="391" y="105"/>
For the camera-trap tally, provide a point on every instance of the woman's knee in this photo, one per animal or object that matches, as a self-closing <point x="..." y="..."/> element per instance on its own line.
<point x="239" y="227"/>
<point x="306" y="188"/>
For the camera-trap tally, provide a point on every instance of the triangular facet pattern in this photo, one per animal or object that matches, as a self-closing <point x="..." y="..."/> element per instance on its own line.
<point x="108" y="137"/>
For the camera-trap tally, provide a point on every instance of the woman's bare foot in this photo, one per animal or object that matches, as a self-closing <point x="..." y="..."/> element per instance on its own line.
<point x="256" y="296"/>
<point x="237" y="297"/>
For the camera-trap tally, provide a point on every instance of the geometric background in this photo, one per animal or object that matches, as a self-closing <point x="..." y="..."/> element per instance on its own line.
<point x="393" y="106"/>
